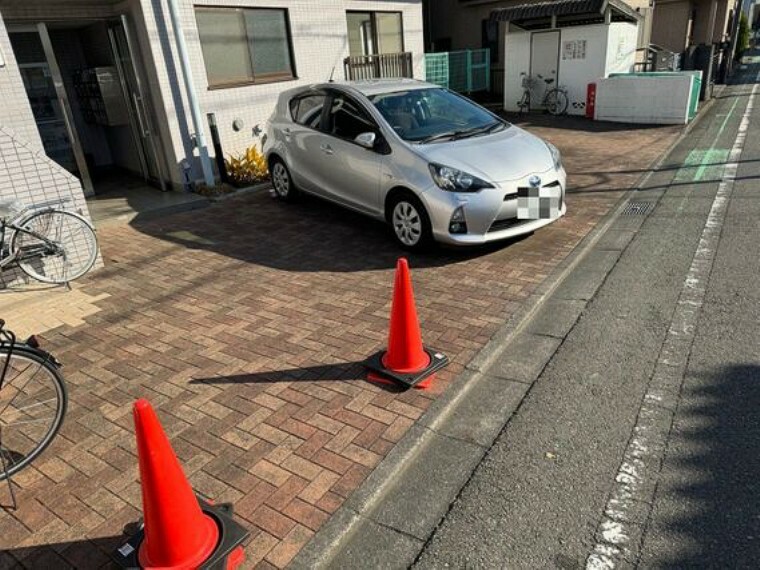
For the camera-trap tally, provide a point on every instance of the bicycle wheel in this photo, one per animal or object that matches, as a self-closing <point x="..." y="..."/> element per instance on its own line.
<point x="556" y="102"/>
<point x="32" y="405"/>
<point x="55" y="246"/>
<point x="524" y="103"/>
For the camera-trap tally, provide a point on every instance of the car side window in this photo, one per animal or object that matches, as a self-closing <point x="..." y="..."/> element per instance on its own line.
<point x="307" y="109"/>
<point x="347" y="119"/>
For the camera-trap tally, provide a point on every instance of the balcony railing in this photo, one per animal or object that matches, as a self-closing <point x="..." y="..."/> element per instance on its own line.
<point x="378" y="66"/>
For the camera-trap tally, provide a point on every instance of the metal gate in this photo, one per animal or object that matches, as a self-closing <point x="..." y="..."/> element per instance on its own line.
<point x="466" y="71"/>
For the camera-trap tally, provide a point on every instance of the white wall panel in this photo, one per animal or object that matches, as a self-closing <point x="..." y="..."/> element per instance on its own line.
<point x="646" y="100"/>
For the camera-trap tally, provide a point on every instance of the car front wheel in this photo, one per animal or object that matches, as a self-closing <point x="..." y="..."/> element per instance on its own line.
<point x="410" y="223"/>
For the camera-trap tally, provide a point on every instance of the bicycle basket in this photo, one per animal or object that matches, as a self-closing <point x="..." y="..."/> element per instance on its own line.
<point x="528" y="82"/>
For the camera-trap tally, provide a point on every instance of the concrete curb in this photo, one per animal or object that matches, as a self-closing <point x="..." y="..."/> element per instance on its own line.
<point x="387" y="521"/>
<point x="160" y="212"/>
<point x="266" y="185"/>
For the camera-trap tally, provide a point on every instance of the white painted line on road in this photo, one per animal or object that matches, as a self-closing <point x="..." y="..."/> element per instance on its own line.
<point x="622" y="527"/>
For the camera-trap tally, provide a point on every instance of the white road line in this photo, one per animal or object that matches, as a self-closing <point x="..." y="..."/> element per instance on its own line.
<point x="620" y="532"/>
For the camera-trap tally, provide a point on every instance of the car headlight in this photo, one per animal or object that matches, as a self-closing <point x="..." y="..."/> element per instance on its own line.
<point x="556" y="156"/>
<point x="453" y="180"/>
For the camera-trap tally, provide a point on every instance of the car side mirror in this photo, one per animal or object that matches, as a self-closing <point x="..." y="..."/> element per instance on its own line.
<point x="367" y="140"/>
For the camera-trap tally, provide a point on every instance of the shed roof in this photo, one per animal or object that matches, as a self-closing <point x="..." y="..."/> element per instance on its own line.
<point x="548" y="8"/>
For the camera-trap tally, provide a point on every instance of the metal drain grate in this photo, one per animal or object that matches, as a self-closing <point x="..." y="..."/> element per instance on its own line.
<point x="638" y="208"/>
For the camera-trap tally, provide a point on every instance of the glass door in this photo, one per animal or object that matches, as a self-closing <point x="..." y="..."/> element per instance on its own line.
<point x="138" y="106"/>
<point x="48" y="113"/>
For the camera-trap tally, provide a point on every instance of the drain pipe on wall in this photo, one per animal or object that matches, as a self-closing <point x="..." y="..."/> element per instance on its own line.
<point x="200" y="137"/>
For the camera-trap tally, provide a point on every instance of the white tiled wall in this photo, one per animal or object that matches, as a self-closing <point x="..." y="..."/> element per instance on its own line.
<point x="319" y="37"/>
<point x="26" y="173"/>
<point x="28" y="176"/>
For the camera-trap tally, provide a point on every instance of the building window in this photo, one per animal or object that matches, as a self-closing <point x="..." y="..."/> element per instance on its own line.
<point x="245" y="45"/>
<point x="374" y="32"/>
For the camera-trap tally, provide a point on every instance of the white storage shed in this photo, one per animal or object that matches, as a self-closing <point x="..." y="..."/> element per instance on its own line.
<point x="572" y="42"/>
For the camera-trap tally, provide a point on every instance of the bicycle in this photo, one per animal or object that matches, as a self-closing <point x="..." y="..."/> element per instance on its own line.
<point x="555" y="100"/>
<point x="33" y="401"/>
<point x="48" y="244"/>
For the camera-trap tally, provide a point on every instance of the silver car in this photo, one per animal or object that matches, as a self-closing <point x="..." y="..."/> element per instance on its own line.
<point x="431" y="163"/>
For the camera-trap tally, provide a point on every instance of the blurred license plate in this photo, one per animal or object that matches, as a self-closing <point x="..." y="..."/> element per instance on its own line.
<point x="539" y="203"/>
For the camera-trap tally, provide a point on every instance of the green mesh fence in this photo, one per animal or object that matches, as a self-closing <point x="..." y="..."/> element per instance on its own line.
<point x="464" y="71"/>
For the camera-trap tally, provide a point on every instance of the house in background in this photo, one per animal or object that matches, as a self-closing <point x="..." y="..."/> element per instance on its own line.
<point x="96" y="97"/>
<point x="699" y="30"/>
<point x="571" y="43"/>
<point x="679" y="24"/>
<point x="452" y="25"/>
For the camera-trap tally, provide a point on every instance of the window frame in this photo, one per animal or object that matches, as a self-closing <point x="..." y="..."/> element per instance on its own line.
<point x="373" y="25"/>
<point x="325" y="107"/>
<point x="326" y="123"/>
<point x="264" y="78"/>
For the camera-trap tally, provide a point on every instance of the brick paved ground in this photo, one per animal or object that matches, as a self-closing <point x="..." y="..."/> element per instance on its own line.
<point x="244" y="325"/>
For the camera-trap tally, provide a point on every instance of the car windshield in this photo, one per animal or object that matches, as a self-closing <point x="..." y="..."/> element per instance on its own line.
<point x="434" y="114"/>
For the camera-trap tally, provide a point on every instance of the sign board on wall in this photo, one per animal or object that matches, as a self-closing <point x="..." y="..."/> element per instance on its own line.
<point x="574" y="49"/>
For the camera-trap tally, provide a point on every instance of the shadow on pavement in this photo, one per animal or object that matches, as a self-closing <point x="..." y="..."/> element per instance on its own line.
<point x="345" y="371"/>
<point x="309" y="235"/>
<point x="93" y="553"/>
<point x="340" y="371"/>
<point x="570" y="122"/>
<point x="718" y="466"/>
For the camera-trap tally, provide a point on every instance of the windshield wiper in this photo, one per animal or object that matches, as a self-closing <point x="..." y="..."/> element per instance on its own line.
<point x="461" y="134"/>
<point x="442" y="136"/>
<point x="484" y="130"/>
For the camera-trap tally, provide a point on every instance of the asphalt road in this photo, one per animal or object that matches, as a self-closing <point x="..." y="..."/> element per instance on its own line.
<point x="638" y="445"/>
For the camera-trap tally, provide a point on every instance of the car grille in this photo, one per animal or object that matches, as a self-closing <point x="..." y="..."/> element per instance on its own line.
<point x="513" y="196"/>
<point x="499" y="225"/>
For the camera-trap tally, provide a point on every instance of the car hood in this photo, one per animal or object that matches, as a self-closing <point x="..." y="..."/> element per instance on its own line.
<point x="507" y="155"/>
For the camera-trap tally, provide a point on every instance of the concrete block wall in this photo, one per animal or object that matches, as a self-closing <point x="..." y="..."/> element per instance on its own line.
<point x="645" y="100"/>
<point x="319" y="42"/>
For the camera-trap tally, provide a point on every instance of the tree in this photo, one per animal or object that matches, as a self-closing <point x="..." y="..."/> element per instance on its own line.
<point x="742" y="38"/>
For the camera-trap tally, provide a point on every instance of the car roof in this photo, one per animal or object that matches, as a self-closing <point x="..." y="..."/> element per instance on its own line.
<point x="370" y="87"/>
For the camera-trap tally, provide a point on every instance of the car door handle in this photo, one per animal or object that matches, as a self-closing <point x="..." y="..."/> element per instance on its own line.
<point x="326" y="148"/>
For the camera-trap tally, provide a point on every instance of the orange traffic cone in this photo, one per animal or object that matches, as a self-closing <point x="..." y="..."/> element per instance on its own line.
<point x="177" y="533"/>
<point x="180" y="531"/>
<point x="406" y="362"/>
